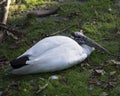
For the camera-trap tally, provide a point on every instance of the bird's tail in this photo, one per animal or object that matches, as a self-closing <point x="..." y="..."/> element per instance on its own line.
<point x="19" y="62"/>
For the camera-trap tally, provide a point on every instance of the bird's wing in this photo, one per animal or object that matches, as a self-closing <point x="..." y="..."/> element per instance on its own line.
<point x="68" y="52"/>
<point x="55" y="59"/>
<point x="45" y="45"/>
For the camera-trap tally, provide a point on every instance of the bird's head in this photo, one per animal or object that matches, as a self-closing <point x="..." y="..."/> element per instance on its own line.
<point x="82" y="39"/>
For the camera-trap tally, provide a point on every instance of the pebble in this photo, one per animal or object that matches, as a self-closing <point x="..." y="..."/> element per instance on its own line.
<point x="54" y="77"/>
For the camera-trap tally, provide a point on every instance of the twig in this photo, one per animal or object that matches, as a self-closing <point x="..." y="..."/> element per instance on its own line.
<point x="44" y="86"/>
<point x="41" y="88"/>
<point x="10" y="31"/>
<point x="4" y="26"/>
<point x="63" y="30"/>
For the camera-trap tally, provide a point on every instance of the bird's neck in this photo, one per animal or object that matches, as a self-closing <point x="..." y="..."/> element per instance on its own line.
<point x="88" y="49"/>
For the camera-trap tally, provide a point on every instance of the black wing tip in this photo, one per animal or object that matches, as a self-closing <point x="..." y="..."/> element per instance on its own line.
<point x="19" y="62"/>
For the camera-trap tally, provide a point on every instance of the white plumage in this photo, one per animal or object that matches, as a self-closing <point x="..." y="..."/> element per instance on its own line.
<point x="52" y="54"/>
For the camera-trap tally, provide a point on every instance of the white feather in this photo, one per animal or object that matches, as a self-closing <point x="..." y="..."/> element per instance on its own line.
<point x="53" y="54"/>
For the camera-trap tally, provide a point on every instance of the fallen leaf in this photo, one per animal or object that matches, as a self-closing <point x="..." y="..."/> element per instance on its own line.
<point x="94" y="81"/>
<point x="118" y="32"/>
<point x="110" y="85"/>
<point x="84" y="64"/>
<point x="99" y="72"/>
<point x="113" y="62"/>
<point x="12" y="35"/>
<point x="112" y="82"/>
<point x="113" y="73"/>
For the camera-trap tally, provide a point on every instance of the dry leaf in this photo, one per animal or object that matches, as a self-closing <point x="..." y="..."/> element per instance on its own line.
<point x="113" y="73"/>
<point x="113" y="62"/>
<point x="99" y="71"/>
<point x="12" y="35"/>
<point x="94" y="81"/>
<point x="118" y="32"/>
<point x="110" y="85"/>
<point x="84" y="64"/>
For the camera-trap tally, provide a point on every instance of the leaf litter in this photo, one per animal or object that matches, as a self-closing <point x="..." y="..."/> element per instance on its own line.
<point x="99" y="71"/>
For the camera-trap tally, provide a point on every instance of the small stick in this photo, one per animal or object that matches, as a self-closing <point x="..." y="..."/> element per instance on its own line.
<point x="4" y="26"/>
<point x="10" y="31"/>
<point x="63" y="30"/>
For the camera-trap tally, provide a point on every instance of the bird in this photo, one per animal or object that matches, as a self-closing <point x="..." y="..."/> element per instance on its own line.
<point x="55" y="53"/>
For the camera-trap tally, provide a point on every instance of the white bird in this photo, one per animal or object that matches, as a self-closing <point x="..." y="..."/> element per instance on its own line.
<point x="54" y="53"/>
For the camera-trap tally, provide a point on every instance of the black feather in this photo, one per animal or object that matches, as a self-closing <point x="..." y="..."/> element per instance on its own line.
<point x="19" y="62"/>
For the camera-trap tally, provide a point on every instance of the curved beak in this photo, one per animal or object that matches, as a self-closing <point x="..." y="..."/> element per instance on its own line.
<point x="82" y="39"/>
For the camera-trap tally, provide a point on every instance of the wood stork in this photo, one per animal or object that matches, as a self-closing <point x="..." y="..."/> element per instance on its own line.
<point x="55" y="53"/>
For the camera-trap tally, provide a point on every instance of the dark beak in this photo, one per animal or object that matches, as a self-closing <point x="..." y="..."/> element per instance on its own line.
<point x="82" y="39"/>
